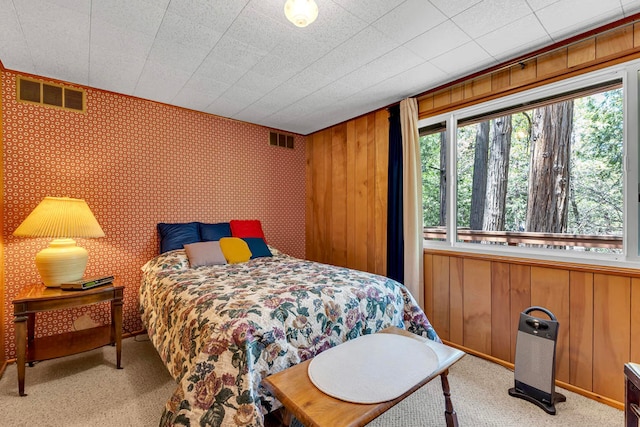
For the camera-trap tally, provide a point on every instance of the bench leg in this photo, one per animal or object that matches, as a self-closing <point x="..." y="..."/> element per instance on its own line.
<point x="281" y="417"/>
<point x="449" y="414"/>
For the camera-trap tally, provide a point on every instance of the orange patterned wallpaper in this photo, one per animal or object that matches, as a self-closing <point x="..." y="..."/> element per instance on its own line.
<point x="137" y="163"/>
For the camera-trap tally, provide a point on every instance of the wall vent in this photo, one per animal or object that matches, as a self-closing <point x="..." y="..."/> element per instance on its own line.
<point x="281" y="140"/>
<point x="49" y="94"/>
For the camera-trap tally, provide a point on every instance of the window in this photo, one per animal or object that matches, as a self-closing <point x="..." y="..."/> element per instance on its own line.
<point x="538" y="171"/>
<point x="433" y="148"/>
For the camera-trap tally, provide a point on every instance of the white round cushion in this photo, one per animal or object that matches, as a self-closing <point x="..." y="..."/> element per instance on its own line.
<point x="372" y="368"/>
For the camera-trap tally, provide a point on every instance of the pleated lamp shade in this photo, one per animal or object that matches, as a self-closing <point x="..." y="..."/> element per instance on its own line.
<point x="61" y="218"/>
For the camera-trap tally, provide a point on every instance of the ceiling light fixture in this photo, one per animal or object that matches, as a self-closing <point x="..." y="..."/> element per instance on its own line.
<point x="301" y="12"/>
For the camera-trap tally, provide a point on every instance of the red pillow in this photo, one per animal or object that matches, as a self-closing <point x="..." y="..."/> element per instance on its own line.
<point x="246" y="228"/>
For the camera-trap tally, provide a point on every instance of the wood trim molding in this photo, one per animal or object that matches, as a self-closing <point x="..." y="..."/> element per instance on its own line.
<point x="564" y="265"/>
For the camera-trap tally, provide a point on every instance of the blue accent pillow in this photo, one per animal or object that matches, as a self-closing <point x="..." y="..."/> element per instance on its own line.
<point x="216" y="231"/>
<point x="175" y="236"/>
<point x="257" y="246"/>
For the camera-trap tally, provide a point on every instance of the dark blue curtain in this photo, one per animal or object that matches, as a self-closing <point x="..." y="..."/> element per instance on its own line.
<point x="395" y="240"/>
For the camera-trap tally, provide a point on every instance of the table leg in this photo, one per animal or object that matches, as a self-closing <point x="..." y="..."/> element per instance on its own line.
<point x="449" y="413"/>
<point x="31" y="327"/>
<point x="116" y="328"/>
<point x="21" y="344"/>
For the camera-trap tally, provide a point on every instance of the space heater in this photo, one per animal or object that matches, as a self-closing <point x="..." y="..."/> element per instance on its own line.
<point x="535" y="360"/>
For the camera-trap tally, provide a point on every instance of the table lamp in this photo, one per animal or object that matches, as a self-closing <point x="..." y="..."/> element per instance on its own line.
<point x="61" y="218"/>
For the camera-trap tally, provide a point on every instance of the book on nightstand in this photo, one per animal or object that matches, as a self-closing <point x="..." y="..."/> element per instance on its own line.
<point x="86" y="283"/>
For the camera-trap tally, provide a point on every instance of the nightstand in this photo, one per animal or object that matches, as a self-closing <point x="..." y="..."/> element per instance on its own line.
<point x="38" y="298"/>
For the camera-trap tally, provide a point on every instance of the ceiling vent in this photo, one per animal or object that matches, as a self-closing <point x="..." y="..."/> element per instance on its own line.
<point x="281" y="140"/>
<point x="49" y="94"/>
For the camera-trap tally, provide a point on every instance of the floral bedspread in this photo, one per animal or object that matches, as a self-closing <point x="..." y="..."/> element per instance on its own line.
<point x="221" y="329"/>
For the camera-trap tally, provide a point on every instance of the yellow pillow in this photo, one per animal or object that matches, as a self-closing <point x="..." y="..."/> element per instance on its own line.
<point x="235" y="250"/>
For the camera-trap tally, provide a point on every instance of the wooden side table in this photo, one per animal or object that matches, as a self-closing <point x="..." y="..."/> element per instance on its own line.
<point x="302" y="399"/>
<point x="37" y="298"/>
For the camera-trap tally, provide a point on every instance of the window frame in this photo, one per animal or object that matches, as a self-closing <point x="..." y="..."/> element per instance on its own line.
<point x="629" y="74"/>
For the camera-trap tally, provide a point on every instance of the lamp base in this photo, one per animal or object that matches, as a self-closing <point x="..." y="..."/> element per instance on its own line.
<point x="61" y="262"/>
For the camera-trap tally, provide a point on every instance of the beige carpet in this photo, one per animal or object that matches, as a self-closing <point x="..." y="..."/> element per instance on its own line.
<point x="86" y="390"/>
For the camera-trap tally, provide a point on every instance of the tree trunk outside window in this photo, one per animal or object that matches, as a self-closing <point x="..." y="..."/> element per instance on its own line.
<point x="498" y="174"/>
<point x="479" y="186"/>
<point x="547" y="206"/>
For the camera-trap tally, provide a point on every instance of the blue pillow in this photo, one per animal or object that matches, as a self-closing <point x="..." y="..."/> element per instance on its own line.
<point x="175" y="236"/>
<point x="257" y="246"/>
<point x="209" y="232"/>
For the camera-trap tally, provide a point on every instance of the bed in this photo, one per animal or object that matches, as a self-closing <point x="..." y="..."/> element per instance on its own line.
<point x="221" y="329"/>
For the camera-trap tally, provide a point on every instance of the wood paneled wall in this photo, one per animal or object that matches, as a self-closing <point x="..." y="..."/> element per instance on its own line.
<point x="475" y="301"/>
<point x="346" y="199"/>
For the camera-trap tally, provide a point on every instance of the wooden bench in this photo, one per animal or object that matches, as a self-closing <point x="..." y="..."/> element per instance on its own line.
<point x="314" y="408"/>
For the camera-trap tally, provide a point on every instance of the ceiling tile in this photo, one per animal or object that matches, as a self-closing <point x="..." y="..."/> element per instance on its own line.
<point x="453" y="7"/>
<point x="630" y="6"/>
<point x="382" y="68"/>
<point x="276" y="68"/>
<point x="225" y="106"/>
<point x="211" y="68"/>
<point x="370" y="10"/>
<point x="241" y="95"/>
<point x="258" y="83"/>
<point x="236" y="53"/>
<point x="416" y="79"/>
<point x="252" y="114"/>
<point x="12" y="39"/>
<point x="562" y="18"/>
<point x="177" y="55"/>
<point x="144" y="16"/>
<point x="540" y="4"/>
<point x="489" y="15"/>
<point x="210" y="87"/>
<point x="410" y="19"/>
<point x="274" y="9"/>
<point x="160" y="82"/>
<point x="108" y="38"/>
<point x="307" y="105"/>
<point x="518" y="37"/>
<point x="334" y="93"/>
<point x="215" y="14"/>
<point x="42" y="19"/>
<point x="301" y="51"/>
<point x="179" y="29"/>
<point x="280" y="98"/>
<point x="308" y="80"/>
<point x="438" y="40"/>
<point x="250" y="23"/>
<point x="123" y="71"/>
<point x="192" y="99"/>
<point x="361" y="49"/>
<point x="81" y="6"/>
<point x="463" y="60"/>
